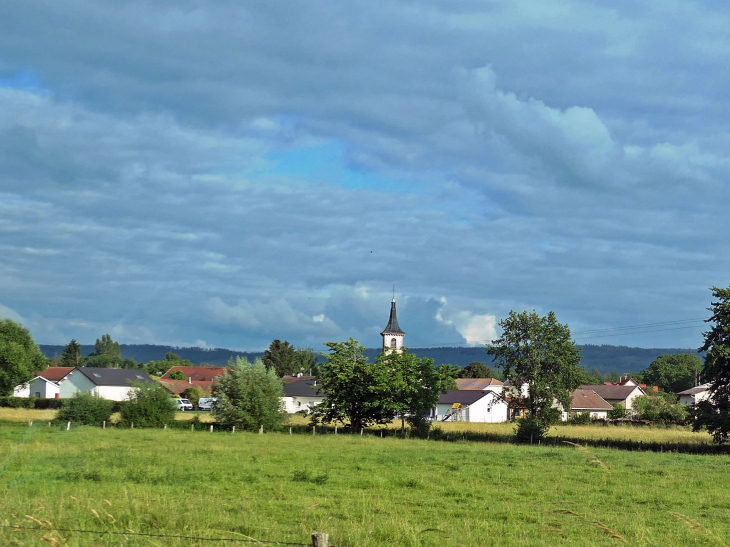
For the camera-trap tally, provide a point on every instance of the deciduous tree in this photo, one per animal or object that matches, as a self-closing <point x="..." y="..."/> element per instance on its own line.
<point x="539" y="353"/>
<point x="107" y="353"/>
<point x="673" y="372"/>
<point x="20" y="356"/>
<point x="475" y="369"/>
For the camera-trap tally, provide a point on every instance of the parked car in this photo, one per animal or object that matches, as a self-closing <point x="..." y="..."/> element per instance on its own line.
<point x="184" y="404"/>
<point x="204" y="403"/>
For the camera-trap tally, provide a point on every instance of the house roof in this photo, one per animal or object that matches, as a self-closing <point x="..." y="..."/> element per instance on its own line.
<point x="288" y="378"/>
<point x="695" y="390"/>
<point x="307" y="388"/>
<point x="477" y="383"/>
<point x="392" y="327"/>
<point x="54" y="374"/>
<point x="205" y="374"/>
<point x="587" y="399"/>
<point x="179" y="386"/>
<point x="613" y="393"/>
<point x="465" y="397"/>
<point x="113" y="376"/>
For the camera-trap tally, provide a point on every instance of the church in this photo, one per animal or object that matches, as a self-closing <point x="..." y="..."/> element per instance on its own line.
<point x="392" y="334"/>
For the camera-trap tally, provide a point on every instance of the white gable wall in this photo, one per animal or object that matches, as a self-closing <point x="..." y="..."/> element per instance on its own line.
<point x="113" y="393"/>
<point x="488" y="409"/>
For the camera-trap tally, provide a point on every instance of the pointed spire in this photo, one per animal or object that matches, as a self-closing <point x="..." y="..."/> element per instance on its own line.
<point x="392" y="327"/>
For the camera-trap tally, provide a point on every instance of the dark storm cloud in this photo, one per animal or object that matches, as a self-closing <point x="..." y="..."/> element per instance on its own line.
<point x="562" y="155"/>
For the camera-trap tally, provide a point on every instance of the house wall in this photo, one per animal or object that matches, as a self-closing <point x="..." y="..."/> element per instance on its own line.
<point x="297" y="404"/>
<point x="114" y="393"/>
<point x="487" y="409"/>
<point x="597" y="414"/>
<point x="23" y="390"/>
<point x="44" y="388"/>
<point x="633" y="395"/>
<point x="75" y="382"/>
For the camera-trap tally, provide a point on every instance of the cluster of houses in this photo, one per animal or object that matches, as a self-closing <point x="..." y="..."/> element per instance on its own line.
<point x="474" y="400"/>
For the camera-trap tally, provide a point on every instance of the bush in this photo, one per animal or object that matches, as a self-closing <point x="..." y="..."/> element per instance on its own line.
<point x="193" y="394"/>
<point x="581" y="418"/>
<point x="249" y="396"/>
<point x="618" y="412"/>
<point x="86" y="409"/>
<point x="17" y="402"/>
<point x="657" y="409"/>
<point x="177" y="375"/>
<point x="44" y="403"/>
<point x="149" y="405"/>
<point x="531" y="430"/>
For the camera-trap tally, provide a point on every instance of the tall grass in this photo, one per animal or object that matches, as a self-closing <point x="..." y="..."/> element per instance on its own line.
<point x="363" y="491"/>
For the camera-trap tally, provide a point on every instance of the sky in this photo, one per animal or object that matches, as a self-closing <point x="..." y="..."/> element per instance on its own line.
<point x="220" y="174"/>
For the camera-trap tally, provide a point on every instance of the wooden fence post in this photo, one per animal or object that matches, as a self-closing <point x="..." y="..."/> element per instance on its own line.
<point x="103" y="424"/>
<point x="314" y="430"/>
<point x="211" y="429"/>
<point x="68" y="426"/>
<point x="261" y="429"/>
<point x="290" y="431"/>
<point x="192" y="427"/>
<point x="30" y="423"/>
<point x="361" y="431"/>
<point x="335" y="429"/>
<point x="320" y="539"/>
<point x="234" y="429"/>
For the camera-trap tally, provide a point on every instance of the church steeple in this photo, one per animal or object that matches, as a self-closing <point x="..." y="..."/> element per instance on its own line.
<point x="392" y="334"/>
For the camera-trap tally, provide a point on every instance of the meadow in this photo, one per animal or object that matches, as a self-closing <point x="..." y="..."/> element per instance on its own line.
<point x="363" y="491"/>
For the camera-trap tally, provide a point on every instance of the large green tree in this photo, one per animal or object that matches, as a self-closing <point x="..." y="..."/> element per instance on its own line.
<point x="539" y="353"/>
<point x="475" y="369"/>
<point x="71" y="356"/>
<point x="158" y="368"/>
<point x="107" y="353"/>
<point x="281" y="357"/>
<point x="249" y="396"/>
<point x="714" y="413"/>
<point x="306" y="361"/>
<point x="673" y="372"/>
<point x="20" y="356"/>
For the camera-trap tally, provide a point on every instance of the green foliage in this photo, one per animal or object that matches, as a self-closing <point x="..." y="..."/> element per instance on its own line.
<point x="714" y="413"/>
<point x="20" y="356"/>
<point x="86" y="409"/>
<point x="306" y="361"/>
<point x="107" y="354"/>
<point x="450" y="373"/>
<point x="538" y="351"/>
<point x="658" y="409"/>
<point x="149" y="405"/>
<point x="618" y="412"/>
<point x="475" y="369"/>
<point x="581" y="418"/>
<point x="176" y="375"/>
<point x="249" y="396"/>
<point x="71" y="356"/>
<point x="673" y="372"/>
<point x="281" y="358"/>
<point x="158" y="368"/>
<point x="18" y="402"/>
<point x="531" y="430"/>
<point x="193" y="394"/>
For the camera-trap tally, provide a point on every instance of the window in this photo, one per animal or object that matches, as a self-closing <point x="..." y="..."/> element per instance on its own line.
<point x="140" y="376"/>
<point x="37" y="394"/>
<point x="392" y="343"/>
<point x="97" y="375"/>
<point x="299" y="403"/>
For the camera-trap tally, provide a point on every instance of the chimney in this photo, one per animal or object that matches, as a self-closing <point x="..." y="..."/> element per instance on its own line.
<point x="190" y="379"/>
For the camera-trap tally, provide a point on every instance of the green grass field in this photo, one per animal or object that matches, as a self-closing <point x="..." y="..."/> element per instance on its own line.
<point x="361" y="490"/>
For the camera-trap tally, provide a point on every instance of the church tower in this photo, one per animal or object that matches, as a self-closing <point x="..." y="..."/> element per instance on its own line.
<point x="392" y="335"/>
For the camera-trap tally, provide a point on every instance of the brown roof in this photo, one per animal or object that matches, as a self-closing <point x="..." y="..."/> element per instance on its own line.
<point x="197" y="373"/>
<point x="178" y="387"/>
<point x="465" y="397"/>
<point x="288" y="378"/>
<point x="612" y="393"/>
<point x="477" y="383"/>
<point x="54" y="374"/>
<point x="587" y="399"/>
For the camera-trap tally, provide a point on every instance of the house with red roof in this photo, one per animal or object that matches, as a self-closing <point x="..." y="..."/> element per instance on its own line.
<point x="201" y="374"/>
<point x="44" y="384"/>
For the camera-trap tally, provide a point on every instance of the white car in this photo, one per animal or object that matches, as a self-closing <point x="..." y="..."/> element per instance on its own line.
<point x="204" y="403"/>
<point x="184" y="404"/>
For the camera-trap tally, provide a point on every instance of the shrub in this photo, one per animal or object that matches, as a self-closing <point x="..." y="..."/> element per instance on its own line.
<point x="177" y="375"/>
<point x="44" y="403"/>
<point x="17" y="402"/>
<point x="193" y="394"/>
<point x="581" y="418"/>
<point x="149" y="405"/>
<point x="86" y="409"/>
<point x="531" y="430"/>
<point x="657" y="409"/>
<point x="249" y="396"/>
<point x="618" y="412"/>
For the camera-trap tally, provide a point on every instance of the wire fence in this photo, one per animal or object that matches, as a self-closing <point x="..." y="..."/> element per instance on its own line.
<point x="317" y="537"/>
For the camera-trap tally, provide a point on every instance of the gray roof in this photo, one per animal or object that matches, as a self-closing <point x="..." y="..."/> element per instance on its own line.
<point x="695" y="390"/>
<point x="303" y="388"/>
<point x="614" y="393"/>
<point x="392" y="327"/>
<point x="113" y="376"/>
<point x="464" y="397"/>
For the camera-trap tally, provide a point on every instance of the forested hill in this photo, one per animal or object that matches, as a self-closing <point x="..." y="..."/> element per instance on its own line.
<point x="604" y="358"/>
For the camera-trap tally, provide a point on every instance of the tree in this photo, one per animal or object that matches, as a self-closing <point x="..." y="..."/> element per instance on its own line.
<point x="158" y="368"/>
<point x="85" y="409"/>
<point x="538" y="352"/>
<point x="149" y="405"/>
<point x="107" y="353"/>
<point x="450" y="373"/>
<point x="281" y="357"/>
<point x="673" y="372"/>
<point x="249" y="396"/>
<point x="71" y="356"/>
<point x="20" y="356"/>
<point x="714" y="413"/>
<point x="177" y="375"/>
<point x="306" y="361"/>
<point x="193" y="394"/>
<point x="658" y="409"/>
<point x="475" y="369"/>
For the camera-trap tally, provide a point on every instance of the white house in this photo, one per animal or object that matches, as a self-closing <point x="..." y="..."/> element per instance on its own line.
<point x="44" y="384"/>
<point x="470" y="406"/>
<point x="587" y="400"/>
<point x="693" y="395"/>
<point x="108" y="383"/>
<point x="624" y="394"/>
<point x="301" y="395"/>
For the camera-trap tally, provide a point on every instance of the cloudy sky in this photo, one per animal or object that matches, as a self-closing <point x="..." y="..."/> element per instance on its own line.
<point x="225" y="173"/>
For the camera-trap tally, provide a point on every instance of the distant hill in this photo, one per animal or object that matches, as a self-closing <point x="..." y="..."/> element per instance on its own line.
<point x="604" y="358"/>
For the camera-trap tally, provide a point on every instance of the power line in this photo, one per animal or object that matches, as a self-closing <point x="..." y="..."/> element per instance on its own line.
<point x="646" y="325"/>
<point x="637" y="332"/>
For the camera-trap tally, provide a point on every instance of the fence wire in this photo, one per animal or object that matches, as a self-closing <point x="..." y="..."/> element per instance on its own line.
<point x="102" y="532"/>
